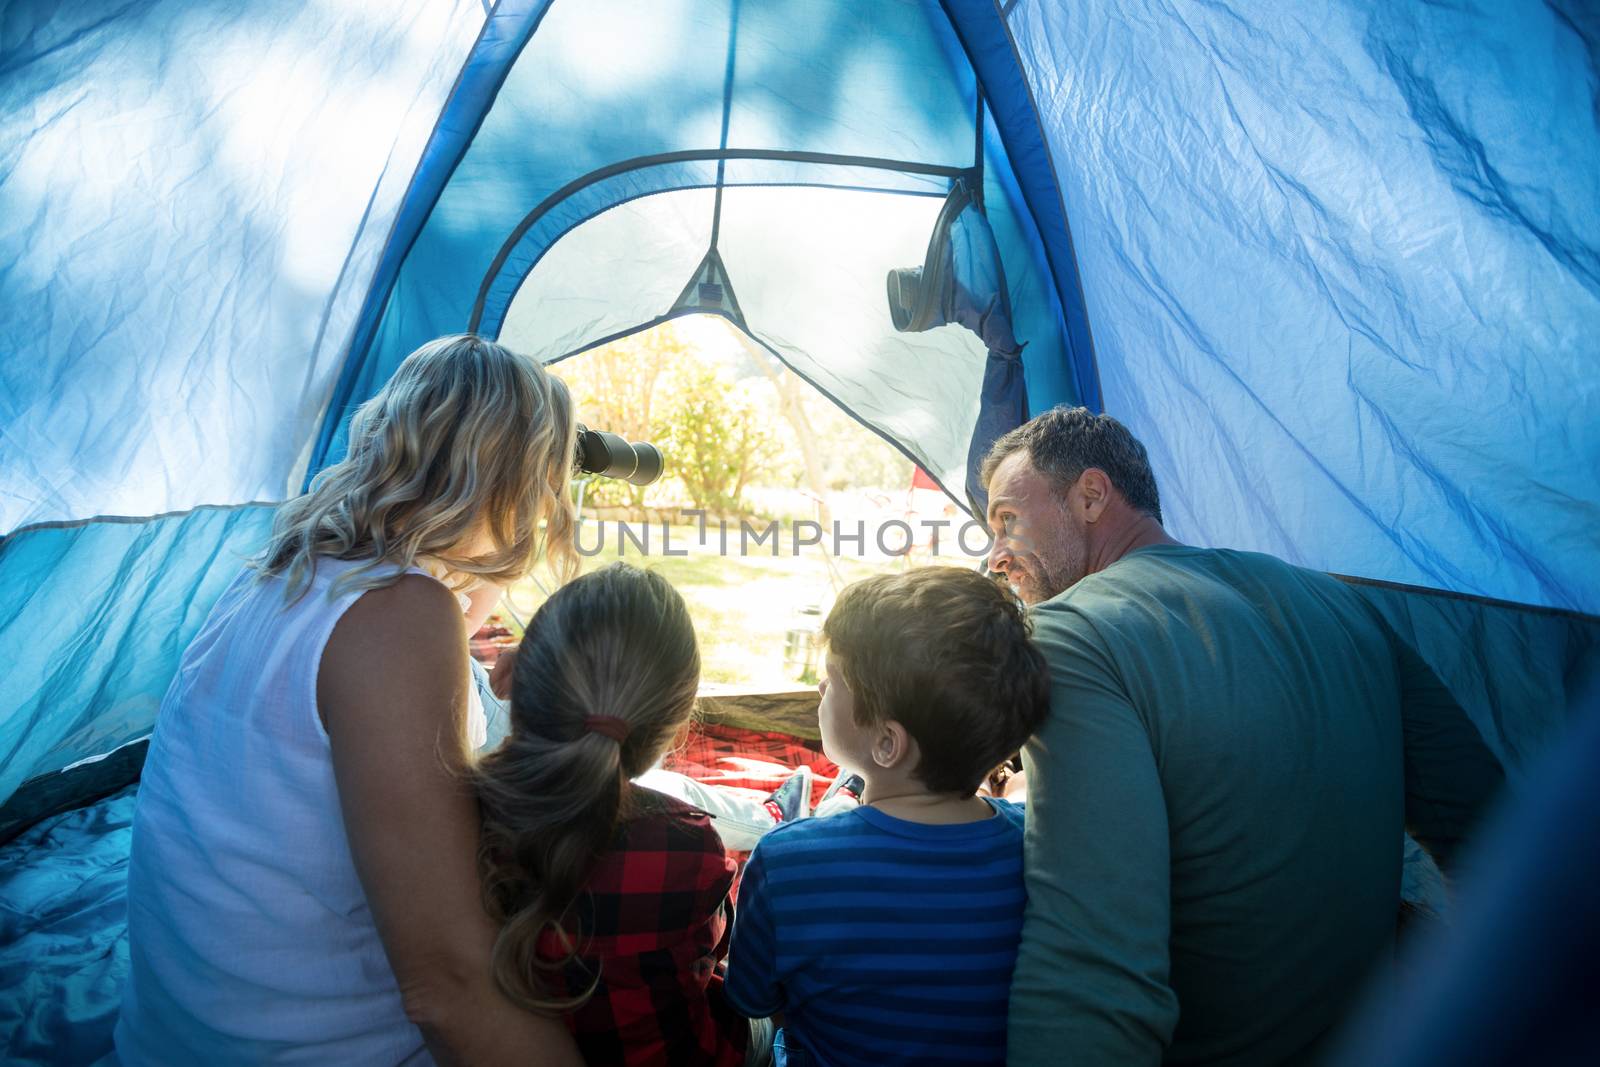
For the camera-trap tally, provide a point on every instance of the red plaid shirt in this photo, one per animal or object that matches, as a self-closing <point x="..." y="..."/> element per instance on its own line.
<point x="653" y="924"/>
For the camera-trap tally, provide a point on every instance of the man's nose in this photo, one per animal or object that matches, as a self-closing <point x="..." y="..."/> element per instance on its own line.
<point x="999" y="556"/>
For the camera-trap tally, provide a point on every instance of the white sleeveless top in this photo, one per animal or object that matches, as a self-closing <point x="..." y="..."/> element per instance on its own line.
<point x="249" y="934"/>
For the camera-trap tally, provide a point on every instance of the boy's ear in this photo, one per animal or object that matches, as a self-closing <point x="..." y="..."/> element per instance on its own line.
<point x="893" y="745"/>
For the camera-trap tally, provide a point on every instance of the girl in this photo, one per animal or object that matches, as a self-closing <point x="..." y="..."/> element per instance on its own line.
<point x="614" y="898"/>
<point x="303" y="885"/>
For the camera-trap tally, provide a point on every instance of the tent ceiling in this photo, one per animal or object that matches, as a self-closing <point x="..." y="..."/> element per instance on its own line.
<point x="739" y="95"/>
<point x="808" y="265"/>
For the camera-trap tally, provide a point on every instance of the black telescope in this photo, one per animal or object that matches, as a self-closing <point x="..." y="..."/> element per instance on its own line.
<point x="610" y="456"/>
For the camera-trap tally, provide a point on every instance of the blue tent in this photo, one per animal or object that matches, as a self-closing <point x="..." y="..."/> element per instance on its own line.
<point x="1337" y="265"/>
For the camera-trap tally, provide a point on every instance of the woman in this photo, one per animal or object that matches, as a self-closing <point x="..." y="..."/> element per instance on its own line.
<point x="303" y="884"/>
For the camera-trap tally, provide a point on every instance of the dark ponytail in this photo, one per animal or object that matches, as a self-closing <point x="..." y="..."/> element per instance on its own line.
<point x="611" y="655"/>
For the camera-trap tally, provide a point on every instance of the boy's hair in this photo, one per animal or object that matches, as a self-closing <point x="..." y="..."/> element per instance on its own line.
<point x="944" y="652"/>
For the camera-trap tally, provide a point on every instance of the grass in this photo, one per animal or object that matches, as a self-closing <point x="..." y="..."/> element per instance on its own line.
<point x="743" y="605"/>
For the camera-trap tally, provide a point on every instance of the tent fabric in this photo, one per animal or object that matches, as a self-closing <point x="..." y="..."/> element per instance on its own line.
<point x="628" y="265"/>
<point x="1338" y="267"/>
<point x="506" y="27"/>
<point x="191" y="201"/>
<point x="1516" y="673"/>
<point x="1006" y="86"/>
<point x="1343" y="267"/>
<point x="732" y="96"/>
<point x="97" y="615"/>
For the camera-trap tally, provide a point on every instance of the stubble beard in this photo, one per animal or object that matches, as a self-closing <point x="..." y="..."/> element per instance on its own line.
<point x="1065" y="563"/>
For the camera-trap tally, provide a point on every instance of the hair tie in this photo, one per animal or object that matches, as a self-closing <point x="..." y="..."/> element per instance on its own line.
<point x="607" y="726"/>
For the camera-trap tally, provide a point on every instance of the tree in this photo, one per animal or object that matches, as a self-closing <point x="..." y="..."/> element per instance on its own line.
<point x="720" y="439"/>
<point x="722" y="428"/>
<point x="614" y="388"/>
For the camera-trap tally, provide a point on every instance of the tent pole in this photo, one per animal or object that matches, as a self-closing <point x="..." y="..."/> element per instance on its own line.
<point x="727" y="112"/>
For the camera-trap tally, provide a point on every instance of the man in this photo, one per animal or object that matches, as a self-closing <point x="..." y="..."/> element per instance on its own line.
<point x="1218" y="795"/>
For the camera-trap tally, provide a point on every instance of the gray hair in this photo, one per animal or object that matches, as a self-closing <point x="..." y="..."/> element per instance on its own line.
<point x="1066" y="441"/>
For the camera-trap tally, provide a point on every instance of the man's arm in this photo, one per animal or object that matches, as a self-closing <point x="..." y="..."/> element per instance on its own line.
<point x="1091" y="984"/>
<point x="391" y="691"/>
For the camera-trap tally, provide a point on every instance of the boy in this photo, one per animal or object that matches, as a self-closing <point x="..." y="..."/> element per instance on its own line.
<point x="887" y="935"/>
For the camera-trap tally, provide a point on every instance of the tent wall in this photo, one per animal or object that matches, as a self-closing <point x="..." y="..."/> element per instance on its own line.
<point x="506" y="29"/>
<point x="1519" y="673"/>
<point x="193" y="199"/>
<point x="1031" y="170"/>
<point x="101" y="613"/>
<point x="1343" y="266"/>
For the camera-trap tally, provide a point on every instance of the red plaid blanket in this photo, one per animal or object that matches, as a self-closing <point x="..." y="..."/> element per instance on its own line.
<point x="731" y="756"/>
<point x="749" y="759"/>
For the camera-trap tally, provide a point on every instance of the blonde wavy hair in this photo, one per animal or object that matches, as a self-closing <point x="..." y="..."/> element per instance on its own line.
<point x="453" y="466"/>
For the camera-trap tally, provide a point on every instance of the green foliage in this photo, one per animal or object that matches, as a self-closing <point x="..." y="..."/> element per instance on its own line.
<point x="719" y="437"/>
<point x="728" y="419"/>
<point x="615" y="388"/>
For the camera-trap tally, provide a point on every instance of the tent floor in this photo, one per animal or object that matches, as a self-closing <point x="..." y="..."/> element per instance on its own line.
<point x="63" y="902"/>
<point x="63" y="897"/>
<point x="64" y="935"/>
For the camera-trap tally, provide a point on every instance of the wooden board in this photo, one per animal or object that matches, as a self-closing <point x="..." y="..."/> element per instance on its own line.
<point x="792" y="711"/>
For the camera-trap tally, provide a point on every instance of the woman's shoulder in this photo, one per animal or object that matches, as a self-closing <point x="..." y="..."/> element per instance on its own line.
<point x="396" y="655"/>
<point x="415" y="609"/>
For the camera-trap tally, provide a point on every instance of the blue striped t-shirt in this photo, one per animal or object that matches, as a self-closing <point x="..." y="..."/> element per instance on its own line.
<point x="882" y="941"/>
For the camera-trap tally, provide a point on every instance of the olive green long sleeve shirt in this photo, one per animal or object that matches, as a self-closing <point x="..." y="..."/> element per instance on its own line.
<point x="1216" y="807"/>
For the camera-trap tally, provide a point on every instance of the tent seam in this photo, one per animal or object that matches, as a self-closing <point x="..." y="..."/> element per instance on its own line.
<point x="1472" y="598"/>
<point x="368" y="320"/>
<point x="72" y="524"/>
<point x="1055" y="183"/>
